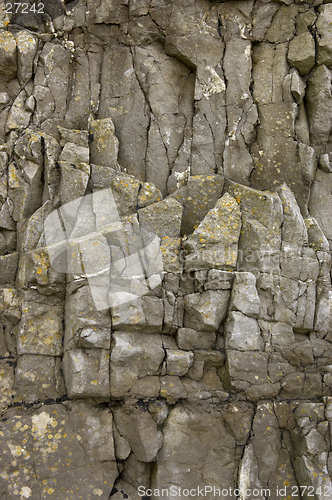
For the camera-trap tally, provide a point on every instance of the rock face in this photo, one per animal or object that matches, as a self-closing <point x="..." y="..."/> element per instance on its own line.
<point x="165" y="249"/>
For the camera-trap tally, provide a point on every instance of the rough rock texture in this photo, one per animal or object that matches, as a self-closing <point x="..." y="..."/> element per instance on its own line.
<point x="165" y="249"/>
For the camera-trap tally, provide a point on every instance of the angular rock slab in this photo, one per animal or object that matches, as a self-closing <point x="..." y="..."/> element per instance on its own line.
<point x="194" y="439"/>
<point x="140" y="430"/>
<point x="87" y="373"/>
<point x="214" y="242"/>
<point x="205" y="311"/>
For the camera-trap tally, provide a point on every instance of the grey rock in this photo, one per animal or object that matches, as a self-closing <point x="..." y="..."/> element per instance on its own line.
<point x="78" y="137"/>
<point x="140" y="430"/>
<point x="297" y="87"/>
<point x="8" y="56"/>
<point x="74" y="181"/>
<point x="77" y="114"/>
<point x="250" y="367"/>
<point x="100" y="475"/>
<point x="136" y="473"/>
<point x="153" y="218"/>
<point x="242" y="333"/>
<point x="324" y="55"/>
<point x="143" y="314"/>
<point x="324" y="163"/>
<point x="135" y="356"/>
<point x="203" y="192"/>
<point x="282" y="27"/>
<point x="154" y="71"/>
<point x="74" y="154"/>
<point x="259" y="243"/>
<point x="86" y="373"/>
<point x="31" y="231"/>
<point x="205" y="311"/>
<point x="189" y="473"/>
<point x="262" y="17"/>
<point x="40" y="329"/>
<point x="244" y="296"/>
<point x="148" y="194"/>
<point x="212" y="245"/>
<point x="319" y="104"/>
<point x="53" y="72"/>
<point x="122" y="98"/>
<point x="122" y="448"/>
<point x="172" y="389"/>
<point x="138" y="7"/>
<point x="316" y="237"/>
<point x="95" y="428"/>
<point x="104" y="145"/>
<point x="178" y="362"/>
<point x="26" y="51"/>
<point x="8" y="268"/>
<point x="20" y="113"/>
<point x="320" y="196"/>
<point x="80" y="314"/>
<point x="38" y="377"/>
<point x="301" y="52"/>
<point x="188" y="339"/>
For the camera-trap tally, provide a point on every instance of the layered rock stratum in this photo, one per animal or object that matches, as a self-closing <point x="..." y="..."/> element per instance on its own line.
<point x="165" y="249"/>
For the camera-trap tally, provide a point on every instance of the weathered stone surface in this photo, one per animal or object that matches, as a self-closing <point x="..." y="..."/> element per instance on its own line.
<point x="244" y="296"/>
<point x="95" y="429"/>
<point x="26" y="51"/>
<point x="301" y="52"/>
<point x="259" y="243"/>
<point x="144" y="314"/>
<point x="213" y="244"/>
<point x="205" y="311"/>
<point x="178" y="362"/>
<point x="282" y="27"/>
<point x="140" y="430"/>
<point x="323" y="24"/>
<point x="40" y="329"/>
<point x="194" y="460"/>
<point x="38" y="377"/>
<point x="162" y="218"/>
<point x="86" y="373"/>
<point x="8" y="56"/>
<point x="153" y="256"/>
<point x="319" y="104"/>
<point x="188" y="339"/>
<point x="135" y="356"/>
<point x="242" y="333"/>
<point x="203" y="192"/>
<point x="104" y="144"/>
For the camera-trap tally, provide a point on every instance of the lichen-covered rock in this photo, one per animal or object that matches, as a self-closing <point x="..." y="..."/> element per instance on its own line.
<point x="8" y="56"/>
<point x="162" y="218"/>
<point x="104" y="144"/>
<point x="86" y="373"/>
<point x="26" y="51"/>
<point x="214" y="242"/>
<point x="38" y="377"/>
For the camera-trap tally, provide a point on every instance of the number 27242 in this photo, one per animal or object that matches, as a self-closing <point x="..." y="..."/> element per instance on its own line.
<point x="24" y="8"/>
